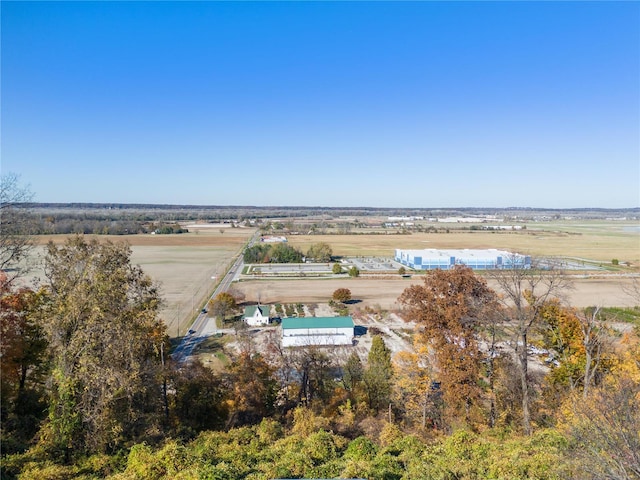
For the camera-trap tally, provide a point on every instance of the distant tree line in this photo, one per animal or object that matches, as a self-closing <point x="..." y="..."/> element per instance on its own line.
<point x="97" y="224"/>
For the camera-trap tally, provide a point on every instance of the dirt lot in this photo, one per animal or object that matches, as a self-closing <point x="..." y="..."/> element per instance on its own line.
<point x="606" y="291"/>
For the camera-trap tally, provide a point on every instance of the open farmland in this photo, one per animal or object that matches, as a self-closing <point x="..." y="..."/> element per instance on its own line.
<point x="599" y="241"/>
<point x="605" y="291"/>
<point x="182" y="264"/>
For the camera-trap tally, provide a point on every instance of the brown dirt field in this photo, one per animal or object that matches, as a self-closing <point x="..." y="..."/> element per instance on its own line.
<point x="182" y="264"/>
<point x="603" y="291"/>
<point x="206" y="238"/>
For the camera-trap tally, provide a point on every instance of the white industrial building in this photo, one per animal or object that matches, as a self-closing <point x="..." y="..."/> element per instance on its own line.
<point x="489" y="259"/>
<point x="273" y="239"/>
<point x="317" y="331"/>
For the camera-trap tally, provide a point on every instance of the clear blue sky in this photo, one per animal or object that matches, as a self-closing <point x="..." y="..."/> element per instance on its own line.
<point x="405" y="104"/>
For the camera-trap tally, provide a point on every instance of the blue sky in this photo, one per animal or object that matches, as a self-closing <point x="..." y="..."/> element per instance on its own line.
<point x="385" y="104"/>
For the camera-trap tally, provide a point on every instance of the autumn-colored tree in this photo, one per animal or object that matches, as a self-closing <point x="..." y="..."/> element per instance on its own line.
<point x="451" y="306"/>
<point x="197" y="402"/>
<point x="580" y="342"/>
<point x="238" y="295"/>
<point x="342" y="295"/>
<point x="22" y="340"/>
<point x="604" y="425"/>
<point x="525" y="291"/>
<point x="304" y="375"/>
<point x="251" y="389"/>
<point x="320" y="252"/>
<point x="413" y="390"/>
<point x="105" y="338"/>
<point x="23" y="366"/>
<point x="596" y="343"/>
<point x="223" y="305"/>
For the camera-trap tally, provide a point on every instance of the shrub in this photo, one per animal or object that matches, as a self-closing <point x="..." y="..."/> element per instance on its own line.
<point x="361" y="449"/>
<point x="342" y="295"/>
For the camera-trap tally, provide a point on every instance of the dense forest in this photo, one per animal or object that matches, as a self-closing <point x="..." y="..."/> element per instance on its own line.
<point x="90" y="391"/>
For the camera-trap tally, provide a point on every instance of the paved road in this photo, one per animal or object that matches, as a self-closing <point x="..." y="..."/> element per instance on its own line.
<point x="204" y="326"/>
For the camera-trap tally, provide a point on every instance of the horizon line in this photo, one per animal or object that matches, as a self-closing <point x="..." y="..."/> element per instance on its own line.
<point x="360" y="207"/>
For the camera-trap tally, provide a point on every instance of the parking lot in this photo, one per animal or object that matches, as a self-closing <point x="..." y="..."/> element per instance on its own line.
<point x="289" y="268"/>
<point x="364" y="264"/>
<point x="377" y="264"/>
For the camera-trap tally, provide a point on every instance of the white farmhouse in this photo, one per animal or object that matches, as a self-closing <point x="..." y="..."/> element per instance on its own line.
<point x="256" y="315"/>
<point x="317" y="331"/>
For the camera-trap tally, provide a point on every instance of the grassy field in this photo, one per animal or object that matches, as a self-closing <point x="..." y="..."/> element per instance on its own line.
<point x="597" y="240"/>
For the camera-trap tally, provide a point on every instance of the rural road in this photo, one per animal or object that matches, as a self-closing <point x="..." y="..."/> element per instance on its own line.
<point x="204" y="326"/>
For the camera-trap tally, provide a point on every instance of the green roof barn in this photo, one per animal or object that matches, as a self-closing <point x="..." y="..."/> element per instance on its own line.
<point x="323" y="331"/>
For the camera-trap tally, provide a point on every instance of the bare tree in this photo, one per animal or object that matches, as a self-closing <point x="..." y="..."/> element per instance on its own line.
<point x="604" y="428"/>
<point x="594" y="339"/>
<point x="16" y="225"/>
<point x="524" y="292"/>
<point x="633" y="290"/>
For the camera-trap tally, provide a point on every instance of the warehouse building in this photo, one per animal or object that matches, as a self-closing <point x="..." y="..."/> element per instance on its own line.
<point x="317" y="331"/>
<point x="490" y="259"/>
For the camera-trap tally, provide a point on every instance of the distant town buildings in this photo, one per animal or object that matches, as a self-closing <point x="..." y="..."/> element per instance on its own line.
<point x="490" y="259"/>
<point x="273" y="239"/>
<point x="404" y="219"/>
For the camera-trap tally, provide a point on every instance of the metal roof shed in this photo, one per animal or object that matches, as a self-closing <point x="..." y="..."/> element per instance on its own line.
<point x="319" y="331"/>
